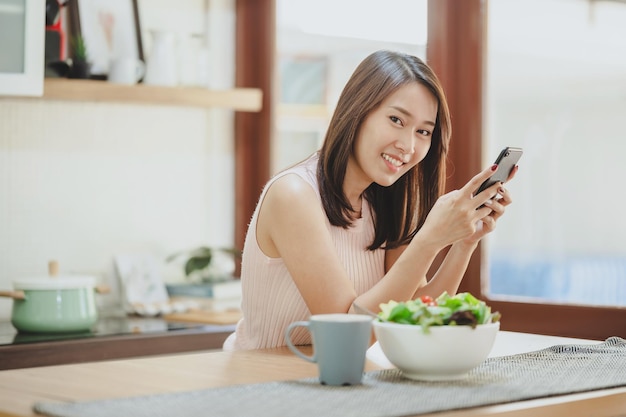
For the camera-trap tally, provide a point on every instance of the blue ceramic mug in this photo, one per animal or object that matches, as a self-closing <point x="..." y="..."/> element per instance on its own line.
<point x="340" y="342"/>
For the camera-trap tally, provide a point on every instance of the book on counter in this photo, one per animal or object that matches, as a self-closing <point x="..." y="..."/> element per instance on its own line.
<point x="219" y="290"/>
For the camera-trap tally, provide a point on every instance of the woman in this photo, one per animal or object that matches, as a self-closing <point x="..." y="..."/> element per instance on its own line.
<point x="363" y="219"/>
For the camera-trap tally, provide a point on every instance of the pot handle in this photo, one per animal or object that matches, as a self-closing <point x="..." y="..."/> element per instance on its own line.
<point x="102" y="289"/>
<point x="16" y="295"/>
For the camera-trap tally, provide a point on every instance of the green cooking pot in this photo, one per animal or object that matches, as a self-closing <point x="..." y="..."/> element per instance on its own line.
<point x="54" y="304"/>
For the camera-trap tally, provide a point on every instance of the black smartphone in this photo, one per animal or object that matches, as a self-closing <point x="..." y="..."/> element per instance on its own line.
<point x="506" y="161"/>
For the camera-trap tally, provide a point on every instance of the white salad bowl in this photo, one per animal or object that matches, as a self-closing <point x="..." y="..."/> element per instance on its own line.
<point x="440" y="352"/>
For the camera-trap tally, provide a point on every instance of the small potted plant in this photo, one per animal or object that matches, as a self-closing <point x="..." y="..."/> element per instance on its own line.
<point x="205" y="268"/>
<point x="81" y="67"/>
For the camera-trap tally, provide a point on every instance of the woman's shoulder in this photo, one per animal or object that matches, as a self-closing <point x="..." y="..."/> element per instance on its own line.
<point x="292" y="189"/>
<point x="290" y="201"/>
<point x="294" y="177"/>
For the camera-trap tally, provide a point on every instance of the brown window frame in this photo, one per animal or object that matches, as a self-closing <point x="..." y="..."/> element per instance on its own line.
<point x="456" y="51"/>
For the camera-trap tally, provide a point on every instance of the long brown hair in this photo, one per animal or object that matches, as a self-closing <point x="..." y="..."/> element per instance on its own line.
<point x="400" y="209"/>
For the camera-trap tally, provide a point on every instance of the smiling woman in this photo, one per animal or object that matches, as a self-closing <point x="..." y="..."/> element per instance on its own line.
<point x="370" y="203"/>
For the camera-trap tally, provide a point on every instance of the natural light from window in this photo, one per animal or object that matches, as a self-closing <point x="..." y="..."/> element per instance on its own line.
<point x="395" y="21"/>
<point x="556" y="87"/>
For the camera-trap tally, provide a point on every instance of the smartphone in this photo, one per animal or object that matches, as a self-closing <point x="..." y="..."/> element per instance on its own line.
<point x="506" y="162"/>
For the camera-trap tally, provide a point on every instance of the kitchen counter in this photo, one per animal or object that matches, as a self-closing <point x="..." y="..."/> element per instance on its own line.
<point x="111" y="338"/>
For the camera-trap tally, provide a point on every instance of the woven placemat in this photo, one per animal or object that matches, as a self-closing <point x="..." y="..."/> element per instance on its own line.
<point x="557" y="370"/>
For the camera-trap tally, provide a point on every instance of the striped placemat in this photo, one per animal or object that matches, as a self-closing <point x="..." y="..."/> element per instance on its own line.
<point x="556" y="370"/>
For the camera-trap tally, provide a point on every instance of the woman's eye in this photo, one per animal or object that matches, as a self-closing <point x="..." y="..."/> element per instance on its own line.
<point x="395" y="119"/>
<point x="424" y="132"/>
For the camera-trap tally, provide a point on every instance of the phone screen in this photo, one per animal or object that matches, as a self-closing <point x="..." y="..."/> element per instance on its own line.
<point x="506" y="161"/>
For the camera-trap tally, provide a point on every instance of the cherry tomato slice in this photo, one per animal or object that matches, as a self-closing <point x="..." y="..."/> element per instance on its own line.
<point x="428" y="300"/>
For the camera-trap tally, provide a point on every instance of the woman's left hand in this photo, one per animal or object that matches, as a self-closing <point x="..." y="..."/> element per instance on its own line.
<point x="497" y="205"/>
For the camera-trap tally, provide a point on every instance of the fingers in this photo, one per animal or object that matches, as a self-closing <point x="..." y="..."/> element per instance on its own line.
<point x="489" y="205"/>
<point x="497" y="205"/>
<point x="506" y="196"/>
<point x="497" y="209"/>
<point x="512" y="173"/>
<point x="491" y="194"/>
<point x="478" y="179"/>
<point x="489" y="224"/>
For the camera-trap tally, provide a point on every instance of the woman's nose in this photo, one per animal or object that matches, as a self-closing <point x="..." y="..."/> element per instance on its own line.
<point x="406" y="144"/>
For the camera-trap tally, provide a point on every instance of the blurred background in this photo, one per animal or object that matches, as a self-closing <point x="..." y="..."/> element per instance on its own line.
<point x="82" y="182"/>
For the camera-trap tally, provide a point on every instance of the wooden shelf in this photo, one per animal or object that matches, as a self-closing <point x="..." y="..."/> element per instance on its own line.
<point x="240" y="99"/>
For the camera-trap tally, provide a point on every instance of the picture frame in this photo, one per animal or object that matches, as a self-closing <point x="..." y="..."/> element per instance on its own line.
<point x="109" y="28"/>
<point x="304" y="79"/>
<point x="22" y="58"/>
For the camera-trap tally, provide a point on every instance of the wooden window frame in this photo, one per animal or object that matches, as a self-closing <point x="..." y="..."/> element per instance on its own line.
<point x="456" y="51"/>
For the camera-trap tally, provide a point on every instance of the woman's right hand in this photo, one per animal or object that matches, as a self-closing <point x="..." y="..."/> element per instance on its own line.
<point x="455" y="215"/>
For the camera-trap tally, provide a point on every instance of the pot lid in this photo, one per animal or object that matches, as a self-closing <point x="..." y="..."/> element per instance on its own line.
<point x="55" y="283"/>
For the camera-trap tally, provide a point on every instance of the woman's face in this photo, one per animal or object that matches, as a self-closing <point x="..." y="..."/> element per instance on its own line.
<point x="394" y="137"/>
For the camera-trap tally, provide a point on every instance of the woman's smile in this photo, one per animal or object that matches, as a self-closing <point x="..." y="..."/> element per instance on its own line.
<point x="393" y="163"/>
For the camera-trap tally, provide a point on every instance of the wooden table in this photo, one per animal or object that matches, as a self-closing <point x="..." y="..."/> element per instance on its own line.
<point x="21" y="388"/>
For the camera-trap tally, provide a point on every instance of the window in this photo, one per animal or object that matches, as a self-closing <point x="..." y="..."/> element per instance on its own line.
<point x="458" y="41"/>
<point x="557" y="88"/>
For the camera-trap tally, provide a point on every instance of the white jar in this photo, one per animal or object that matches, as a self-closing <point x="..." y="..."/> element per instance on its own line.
<point x="162" y="66"/>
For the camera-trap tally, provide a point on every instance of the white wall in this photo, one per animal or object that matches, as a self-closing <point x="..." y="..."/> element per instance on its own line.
<point x="81" y="182"/>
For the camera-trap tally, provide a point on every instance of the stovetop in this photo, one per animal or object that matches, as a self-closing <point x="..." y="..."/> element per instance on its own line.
<point x="106" y="326"/>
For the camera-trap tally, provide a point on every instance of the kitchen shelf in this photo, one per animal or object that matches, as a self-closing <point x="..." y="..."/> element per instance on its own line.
<point x="240" y="99"/>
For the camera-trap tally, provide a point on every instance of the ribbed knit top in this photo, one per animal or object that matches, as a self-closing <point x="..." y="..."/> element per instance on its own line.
<point x="271" y="300"/>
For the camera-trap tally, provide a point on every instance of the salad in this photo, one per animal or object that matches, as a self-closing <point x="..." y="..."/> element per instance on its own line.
<point x="462" y="309"/>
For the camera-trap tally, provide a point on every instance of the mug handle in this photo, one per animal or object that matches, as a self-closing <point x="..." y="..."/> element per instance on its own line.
<point x="290" y="344"/>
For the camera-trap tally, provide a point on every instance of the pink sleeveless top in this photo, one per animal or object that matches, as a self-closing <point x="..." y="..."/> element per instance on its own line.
<point x="271" y="300"/>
